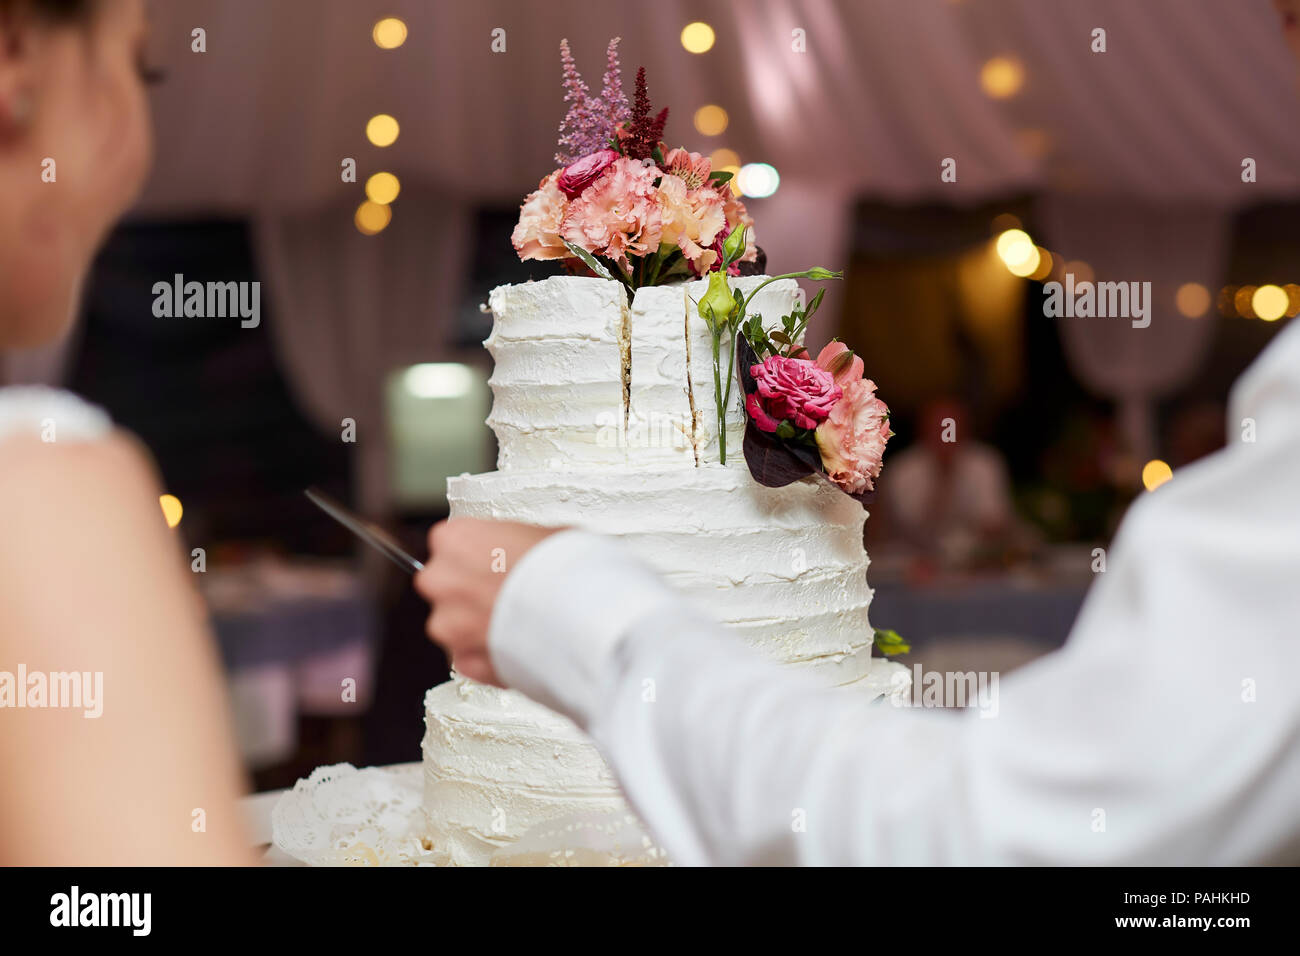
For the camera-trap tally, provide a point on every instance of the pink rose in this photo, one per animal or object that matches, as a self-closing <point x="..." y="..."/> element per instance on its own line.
<point x="791" y="389"/>
<point x="852" y="438"/>
<point x="849" y="370"/>
<point x="577" y="176"/>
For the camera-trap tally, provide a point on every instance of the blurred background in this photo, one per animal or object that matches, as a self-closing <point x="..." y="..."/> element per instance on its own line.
<point x="1112" y="156"/>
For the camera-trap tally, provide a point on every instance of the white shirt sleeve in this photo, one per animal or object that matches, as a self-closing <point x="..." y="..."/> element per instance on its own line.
<point x="1166" y="731"/>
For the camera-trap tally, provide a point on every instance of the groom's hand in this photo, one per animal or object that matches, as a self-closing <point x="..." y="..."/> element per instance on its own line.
<point x="468" y="563"/>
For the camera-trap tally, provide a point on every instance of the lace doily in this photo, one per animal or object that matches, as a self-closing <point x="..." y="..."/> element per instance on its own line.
<point x="342" y="816"/>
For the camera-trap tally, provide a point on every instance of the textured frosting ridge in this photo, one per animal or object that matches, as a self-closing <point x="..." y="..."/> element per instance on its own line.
<point x="581" y="445"/>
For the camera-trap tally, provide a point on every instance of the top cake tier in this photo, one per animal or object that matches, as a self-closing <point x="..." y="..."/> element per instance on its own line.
<point x="584" y="378"/>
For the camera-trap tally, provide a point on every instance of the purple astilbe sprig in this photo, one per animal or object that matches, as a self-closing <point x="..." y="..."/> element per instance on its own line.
<point x="586" y="127"/>
<point x="611" y="94"/>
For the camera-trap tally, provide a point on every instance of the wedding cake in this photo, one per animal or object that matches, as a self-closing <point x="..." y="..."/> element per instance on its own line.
<point x="605" y="415"/>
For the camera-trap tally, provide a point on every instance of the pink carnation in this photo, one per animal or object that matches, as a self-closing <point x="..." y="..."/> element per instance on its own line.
<point x="537" y="235"/>
<point x="852" y="438"/>
<point x="791" y="389"/>
<point x="618" y="215"/>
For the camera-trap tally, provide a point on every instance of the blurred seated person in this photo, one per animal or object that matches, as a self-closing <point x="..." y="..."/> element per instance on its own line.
<point x="949" y="494"/>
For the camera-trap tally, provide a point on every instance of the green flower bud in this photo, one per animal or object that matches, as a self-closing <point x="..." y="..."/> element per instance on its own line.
<point x="733" y="247"/>
<point x="717" y="303"/>
<point x="817" y="272"/>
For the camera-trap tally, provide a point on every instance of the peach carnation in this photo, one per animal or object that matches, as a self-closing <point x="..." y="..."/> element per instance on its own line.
<point x="852" y="438"/>
<point x="691" y="220"/>
<point x="537" y="234"/>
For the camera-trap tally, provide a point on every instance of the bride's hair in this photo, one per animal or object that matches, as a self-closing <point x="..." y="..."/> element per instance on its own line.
<point x="51" y="9"/>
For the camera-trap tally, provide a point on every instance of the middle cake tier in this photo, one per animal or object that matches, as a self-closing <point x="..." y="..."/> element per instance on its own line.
<point x="782" y="568"/>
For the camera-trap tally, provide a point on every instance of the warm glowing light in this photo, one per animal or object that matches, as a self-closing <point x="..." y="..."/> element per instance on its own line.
<point x="711" y="120"/>
<point x="735" y="171"/>
<point x="724" y="157"/>
<point x="372" y="217"/>
<point x="758" y="180"/>
<point x="1226" y="296"/>
<point x="1155" y="473"/>
<point x="1002" y="77"/>
<point x="382" y="188"/>
<point x="389" y="33"/>
<point x="1018" y="251"/>
<point x="171" y="509"/>
<point x="1270" y="302"/>
<point x="1044" y="268"/>
<point x="1192" y="299"/>
<point x="438" y="380"/>
<point x="1293" y="299"/>
<point x="382" y="130"/>
<point x="697" y="37"/>
<point x="1242" y="301"/>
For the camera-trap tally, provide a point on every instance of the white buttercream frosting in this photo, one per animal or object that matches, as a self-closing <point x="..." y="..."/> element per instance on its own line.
<point x="782" y="568"/>
<point x="560" y="348"/>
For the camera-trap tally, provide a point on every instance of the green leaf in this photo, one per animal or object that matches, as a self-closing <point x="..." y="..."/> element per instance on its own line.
<point x="592" y="262"/>
<point x="814" y="304"/>
<point x="780" y="337"/>
<point x="891" y="643"/>
<point x="785" y="430"/>
<point x="657" y="155"/>
<point x="719" y="176"/>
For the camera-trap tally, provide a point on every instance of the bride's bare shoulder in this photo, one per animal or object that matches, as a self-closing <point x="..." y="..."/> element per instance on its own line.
<point x="39" y="478"/>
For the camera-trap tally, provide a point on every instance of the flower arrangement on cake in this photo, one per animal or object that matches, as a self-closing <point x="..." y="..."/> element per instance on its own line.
<point x="624" y="207"/>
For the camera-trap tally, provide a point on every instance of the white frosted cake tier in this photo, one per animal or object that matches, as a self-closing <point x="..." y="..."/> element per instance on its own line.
<point x="783" y="568"/>
<point x="583" y="378"/>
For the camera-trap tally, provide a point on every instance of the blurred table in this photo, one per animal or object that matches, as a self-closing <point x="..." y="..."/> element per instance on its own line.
<point x="1037" y="604"/>
<point x="291" y="633"/>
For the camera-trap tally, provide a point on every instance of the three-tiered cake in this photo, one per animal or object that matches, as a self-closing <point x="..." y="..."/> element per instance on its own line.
<point x="605" y="415"/>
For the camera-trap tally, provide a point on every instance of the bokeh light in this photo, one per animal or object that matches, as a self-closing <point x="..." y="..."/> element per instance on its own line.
<point x="724" y="157"/>
<point x="372" y="217"/>
<point x="1155" y="473"/>
<point x="389" y="33"/>
<point x="1002" y="77"/>
<point x="697" y="37"/>
<point x="382" y="130"/>
<point x="1242" y="301"/>
<point x="383" y="188"/>
<point x="1192" y="299"/>
<point x="1270" y="302"/>
<point x="1018" y="252"/>
<point x="171" y="509"/>
<point x="758" y="180"/>
<point x="711" y="120"/>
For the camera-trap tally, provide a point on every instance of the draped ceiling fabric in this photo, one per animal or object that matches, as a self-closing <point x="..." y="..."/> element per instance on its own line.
<point x="886" y="90"/>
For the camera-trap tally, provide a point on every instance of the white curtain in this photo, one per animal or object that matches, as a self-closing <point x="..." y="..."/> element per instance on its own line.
<point x="348" y="309"/>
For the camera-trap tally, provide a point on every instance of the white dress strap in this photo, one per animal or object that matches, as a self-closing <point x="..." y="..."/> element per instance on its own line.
<point x="51" y="414"/>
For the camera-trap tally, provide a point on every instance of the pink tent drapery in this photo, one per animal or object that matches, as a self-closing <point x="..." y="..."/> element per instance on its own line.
<point x="884" y="91"/>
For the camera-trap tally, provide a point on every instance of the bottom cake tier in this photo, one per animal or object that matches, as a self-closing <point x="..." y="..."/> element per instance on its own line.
<point x="782" y="568"/>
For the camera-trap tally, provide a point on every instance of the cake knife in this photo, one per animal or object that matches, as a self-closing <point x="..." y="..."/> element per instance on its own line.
<point x="367" y="531"/>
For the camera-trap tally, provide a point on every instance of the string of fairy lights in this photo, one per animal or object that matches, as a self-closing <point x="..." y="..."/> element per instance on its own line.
<point x="382" y="188"/>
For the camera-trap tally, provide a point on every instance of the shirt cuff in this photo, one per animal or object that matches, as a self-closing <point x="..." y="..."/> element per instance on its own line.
<point x="561" y="613"/>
